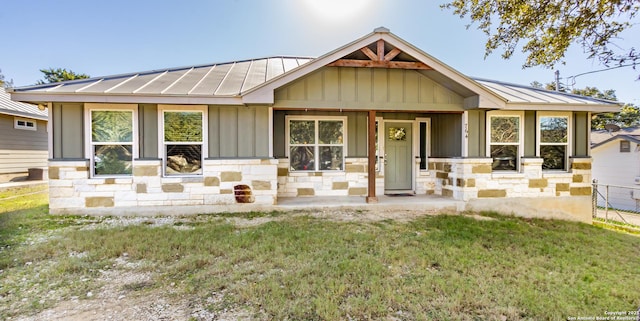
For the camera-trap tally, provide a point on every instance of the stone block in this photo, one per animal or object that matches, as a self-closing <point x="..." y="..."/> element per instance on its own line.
<point x="442" y="175"/>
<point x="580" y="165"/>
<point x="339" y="185"/>
<point x="538" y="183"/>
<point x="99" y="202"/>
<point x="580" y="191"/>
<point x="447" y="168"/>
<point x="54" y="172"/>
<point x="145" y="170"/>
<point x="231" y="176"/>
<point x="447" y="192"/>
<point x="226" y="191"/>
<point x="578" y="178"/>
<point x="355" y="168"/>
<point x="283" y="171"/>
<point x="82" y="169"/>
<point x="141" y="188"/>
<point x="211" y="181"/>
<point x="172" y="188"/>
<point x="562" y="187"/>
<point x="357" y="191"/>
<point x="306" y="192"/>
<point x="109" y="180"/>
<point x="471" y="182"/>
<point x="492" y="193"/>
<point x="481" y="169"/>
<point x="261" y="185"/>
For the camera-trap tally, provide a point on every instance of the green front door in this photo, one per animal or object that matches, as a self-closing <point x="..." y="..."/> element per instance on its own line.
<point x="397" y="170"/>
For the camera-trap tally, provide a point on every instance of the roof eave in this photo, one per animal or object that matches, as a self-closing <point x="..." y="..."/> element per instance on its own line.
<point x="126" y="98"/>
<point x="22" y="114"/>
<point x="594" y="108"/>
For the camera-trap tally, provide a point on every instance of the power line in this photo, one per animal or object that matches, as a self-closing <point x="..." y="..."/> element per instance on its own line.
<point x="573" y="78"/>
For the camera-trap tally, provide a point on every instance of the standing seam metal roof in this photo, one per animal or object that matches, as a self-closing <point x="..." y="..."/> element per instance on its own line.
<point x="232" y="79"/>
<point x="223" y="79"/>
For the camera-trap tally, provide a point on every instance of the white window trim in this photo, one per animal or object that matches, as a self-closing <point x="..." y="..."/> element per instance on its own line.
<point x="26" y="121"/>
<point x="316" y="118"/>
<point x="521" y="130"/>
<point x="205" y="134"/>
<point x="416" y="145"/>
<point x="569" y="117"/>
<point x="88" y="107"/>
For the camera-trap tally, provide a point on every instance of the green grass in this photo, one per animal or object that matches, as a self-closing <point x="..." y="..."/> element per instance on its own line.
<point x="302" y="268"/>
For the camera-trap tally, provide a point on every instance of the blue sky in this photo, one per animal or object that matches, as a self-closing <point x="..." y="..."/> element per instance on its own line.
<point x="120" y="36"/>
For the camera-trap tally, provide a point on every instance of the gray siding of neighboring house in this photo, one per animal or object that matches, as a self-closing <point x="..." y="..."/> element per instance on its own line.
<point x="22" y="149"/>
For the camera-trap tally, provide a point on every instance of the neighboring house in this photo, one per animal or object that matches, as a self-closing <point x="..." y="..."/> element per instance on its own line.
<point x="23" y="139"/>
<point x="616" y="161"/>
<point x="376" y="116"/>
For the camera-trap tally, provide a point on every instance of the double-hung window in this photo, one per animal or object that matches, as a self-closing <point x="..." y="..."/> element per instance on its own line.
<point x="553" y="146"/>
<point x="316" y="144"/>
<point x="182" y="140"/>
<point x="504" y="141"/>
<point x="111" y="140"/>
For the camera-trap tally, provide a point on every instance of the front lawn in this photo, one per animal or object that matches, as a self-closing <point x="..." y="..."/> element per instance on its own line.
<point x="305" y="268"/>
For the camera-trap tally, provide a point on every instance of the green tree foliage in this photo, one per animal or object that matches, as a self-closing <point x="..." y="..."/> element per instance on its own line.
<point x="110" y="128"/>
<point x="60" y="74"/>
<point x="549" y="27"/>
<point x="5" y="83"/>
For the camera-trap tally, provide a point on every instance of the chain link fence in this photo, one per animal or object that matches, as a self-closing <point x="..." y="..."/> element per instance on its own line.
<point x="616" y="203"/>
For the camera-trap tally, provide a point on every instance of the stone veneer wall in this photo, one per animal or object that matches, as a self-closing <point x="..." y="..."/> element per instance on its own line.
<point x="71" y="191"/>
<point x="350" y="182"/>
<point x="472" y="180"/>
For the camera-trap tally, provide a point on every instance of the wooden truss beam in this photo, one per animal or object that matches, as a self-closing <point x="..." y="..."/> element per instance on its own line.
<point x="379" y="60"/>
<point x="379" y="64"/>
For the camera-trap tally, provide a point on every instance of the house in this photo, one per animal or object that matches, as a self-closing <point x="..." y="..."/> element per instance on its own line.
<point x="23" y="140"/>
<point x="616" y="161"/>
<point x="376" y="116"/>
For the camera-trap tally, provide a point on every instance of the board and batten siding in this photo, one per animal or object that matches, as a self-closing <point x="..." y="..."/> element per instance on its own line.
<point x="238" y="132"/>
<point x="22" y="149"/>
<point x="68" y="134"/>
<point x="368" y="89"/>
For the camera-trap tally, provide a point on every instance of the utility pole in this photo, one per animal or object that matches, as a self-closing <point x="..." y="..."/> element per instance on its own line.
<point x="557" y="80"/>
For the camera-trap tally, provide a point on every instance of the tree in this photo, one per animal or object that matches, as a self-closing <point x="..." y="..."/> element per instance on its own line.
<point x="549" y="26"/>
<point x="5" y="83"/>
<point x="56" y="75"/>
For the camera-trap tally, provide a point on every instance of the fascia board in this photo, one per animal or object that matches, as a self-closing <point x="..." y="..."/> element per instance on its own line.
<point x="139" y="99"/>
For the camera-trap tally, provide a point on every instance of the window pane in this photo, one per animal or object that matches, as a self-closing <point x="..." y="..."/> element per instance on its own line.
<point x="553" y="156"/>
<point x="183" y="126"/>
<point x="302" y="158"/>
<point x="330" y="158"/>
<point x="111" y="126"/>
<point x="184" y="159"/>
<point x="553" y="129"/>
<point x="302" y="131"/>
<point x="505" y="129"/>
<point x="505" y="157"/>
<point x="112" y="159"/>
<point x="330" y="132"/>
